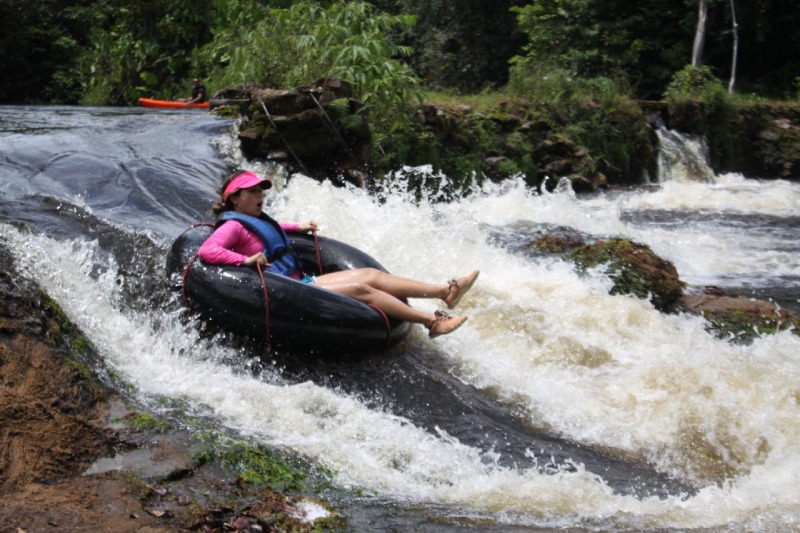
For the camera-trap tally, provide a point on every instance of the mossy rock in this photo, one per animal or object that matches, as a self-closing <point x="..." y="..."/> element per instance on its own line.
<point x="739" y="318"/>
<point x="552" y="244"/>
<point x="635" y="270"/>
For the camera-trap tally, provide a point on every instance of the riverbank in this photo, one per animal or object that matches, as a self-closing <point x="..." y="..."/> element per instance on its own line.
<point x="321" y="131"/>
<point x="78" y="454"/>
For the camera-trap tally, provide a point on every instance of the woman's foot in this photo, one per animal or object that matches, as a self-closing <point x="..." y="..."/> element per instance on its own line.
<point x="443" y="324"/>
<point x="459" y="287"/>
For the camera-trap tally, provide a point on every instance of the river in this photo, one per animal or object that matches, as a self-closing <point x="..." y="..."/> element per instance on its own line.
<point x="557" y="406"/>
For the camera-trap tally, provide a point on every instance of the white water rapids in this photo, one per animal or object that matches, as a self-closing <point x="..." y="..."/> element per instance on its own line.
<point x="607" y="372"/>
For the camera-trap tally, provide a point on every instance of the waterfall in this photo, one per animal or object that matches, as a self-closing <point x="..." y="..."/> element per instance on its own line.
<point x="683" y="158"/>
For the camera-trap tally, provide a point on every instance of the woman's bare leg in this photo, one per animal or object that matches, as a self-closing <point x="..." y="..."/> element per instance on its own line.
<point x="394" y="285"/>
<point x="383" y="290"/>
<point x="390" y="305"/>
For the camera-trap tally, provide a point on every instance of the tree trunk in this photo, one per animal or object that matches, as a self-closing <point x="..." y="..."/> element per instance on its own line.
<point x="735" y="55"/>
<point x="700" y="34"/>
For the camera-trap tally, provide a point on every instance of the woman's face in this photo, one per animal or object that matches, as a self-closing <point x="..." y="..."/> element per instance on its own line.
<point x="249" y="201"/>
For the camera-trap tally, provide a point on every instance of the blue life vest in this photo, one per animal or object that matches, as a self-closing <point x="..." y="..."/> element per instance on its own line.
<point x="279" y="252"/>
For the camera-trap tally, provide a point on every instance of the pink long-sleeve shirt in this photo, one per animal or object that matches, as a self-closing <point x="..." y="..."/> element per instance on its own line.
<point x="232" y="243"/>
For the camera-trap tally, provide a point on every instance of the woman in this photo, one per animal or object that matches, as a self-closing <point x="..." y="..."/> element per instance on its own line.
<point x="247" y="233"/>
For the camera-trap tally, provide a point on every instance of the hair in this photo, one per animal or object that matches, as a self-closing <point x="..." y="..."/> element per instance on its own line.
<point x="220" y="207"/>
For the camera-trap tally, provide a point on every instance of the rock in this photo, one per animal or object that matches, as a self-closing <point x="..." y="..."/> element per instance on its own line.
<point x="50" y="410"/>
<point x="495" y="161"/>
<point x="635" y="269"/>
<point x="318" y="129"/>
<point x="561" y="243"/>
<point x="738" y="317"/>
<point x="776" y="149"/>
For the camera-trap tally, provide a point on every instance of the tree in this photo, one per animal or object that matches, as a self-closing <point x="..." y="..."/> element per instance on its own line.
<point x="462" y="44"/>
<point x="602" y="38"/>
<point x="41" y="41"/>
<point x="735" y="51"/>
<point x="351" y="41"/>
<point x="647" y="42"/>
<point x="700" y="33"/>
<point x="144" y="47"/>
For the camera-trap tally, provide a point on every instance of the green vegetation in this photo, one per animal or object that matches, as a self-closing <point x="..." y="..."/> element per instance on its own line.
<point x="700" y="103"/>
<point x="744" y="326"/>
<point x="497" y="135"/>
<point x="142" y="47"/>
<point x="259" y="465"/>
<point x="460" y="46"/>
<point x="145" y="422"/>
<point x="295" y="46"/>
<point x="112" y="52"/>
<point x="578" y="69"/>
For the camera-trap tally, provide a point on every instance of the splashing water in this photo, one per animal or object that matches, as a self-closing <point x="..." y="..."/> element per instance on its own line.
<point x="544" y="344"/>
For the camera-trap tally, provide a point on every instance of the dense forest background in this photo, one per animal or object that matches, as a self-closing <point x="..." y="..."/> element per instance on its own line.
<point x="110" y="52"/>
<point x="478" y="89"/>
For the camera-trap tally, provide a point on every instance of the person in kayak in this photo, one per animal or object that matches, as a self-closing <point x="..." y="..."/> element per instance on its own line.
<point x="245" y="236"/>
<point x="198" y="93"/>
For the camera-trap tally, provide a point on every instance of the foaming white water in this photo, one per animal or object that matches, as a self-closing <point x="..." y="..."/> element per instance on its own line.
<point x="727" y="193"/>
<point x="738" y="254"/>
<point x="703" y="253"/>
<point x="600" y="370"/>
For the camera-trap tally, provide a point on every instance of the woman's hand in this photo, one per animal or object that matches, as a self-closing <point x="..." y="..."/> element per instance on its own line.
<point x="258" y="258"/>
<point x="305" y="227"/>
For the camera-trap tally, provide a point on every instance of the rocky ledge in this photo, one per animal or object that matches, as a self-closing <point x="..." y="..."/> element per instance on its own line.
<point x="322" y="131"/>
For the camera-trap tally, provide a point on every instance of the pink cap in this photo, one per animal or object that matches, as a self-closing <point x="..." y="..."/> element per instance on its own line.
<point x="245" y="180"/>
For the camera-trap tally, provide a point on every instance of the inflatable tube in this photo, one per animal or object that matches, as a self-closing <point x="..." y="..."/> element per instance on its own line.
<point x="149" y="102"/>
<point x="302" y="318"/>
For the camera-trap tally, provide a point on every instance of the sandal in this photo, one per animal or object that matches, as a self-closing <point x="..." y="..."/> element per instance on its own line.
<point x="444" y="323"/>
<point x="459" y="287"/>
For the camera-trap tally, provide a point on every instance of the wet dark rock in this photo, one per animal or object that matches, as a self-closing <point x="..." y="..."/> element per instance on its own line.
<point x="635" y="269"/>
<point x="319" y="130"/>
<point x="560" y="242"/>
<point x="778" y="147"/>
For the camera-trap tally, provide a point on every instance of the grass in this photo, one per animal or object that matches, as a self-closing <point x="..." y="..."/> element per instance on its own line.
<point x="483" y="102"/>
